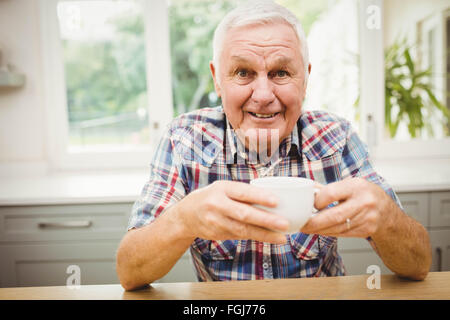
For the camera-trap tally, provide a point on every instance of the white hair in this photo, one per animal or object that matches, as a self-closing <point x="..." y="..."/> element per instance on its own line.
<point x="258" y="12"/>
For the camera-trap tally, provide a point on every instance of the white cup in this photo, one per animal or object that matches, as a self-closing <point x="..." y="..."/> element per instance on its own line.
<point x="295" y="198"/>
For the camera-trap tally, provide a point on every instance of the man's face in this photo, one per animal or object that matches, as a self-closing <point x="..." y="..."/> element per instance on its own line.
<point x="261" y="78"/>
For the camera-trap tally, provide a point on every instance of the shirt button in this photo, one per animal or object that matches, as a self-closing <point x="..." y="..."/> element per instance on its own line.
<point x="265" y="265"/>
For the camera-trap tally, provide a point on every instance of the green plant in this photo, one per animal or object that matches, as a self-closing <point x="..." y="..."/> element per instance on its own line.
<point x="409" y="93"/>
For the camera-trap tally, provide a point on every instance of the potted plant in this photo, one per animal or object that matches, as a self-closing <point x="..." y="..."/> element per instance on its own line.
<point x="409" y="92"/>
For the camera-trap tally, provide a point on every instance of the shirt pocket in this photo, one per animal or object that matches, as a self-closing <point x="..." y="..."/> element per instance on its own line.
<point x="304" y="246"/>
<point x="325" y="170"/>
<point x="216" y="249"/>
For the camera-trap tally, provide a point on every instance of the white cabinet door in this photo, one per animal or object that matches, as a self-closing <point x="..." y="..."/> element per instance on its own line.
<point x="346" y="244"/>
<point x="356" y="262"/>
<point x="440" y="209"/>
<point x="358" y="254"/>
<point x="46" y="264"/>
<point x="38" y="243"/>
<point x="440" y="243"/>
<point x="182" y="271"/>
<point x="416" y="205"/>
<point x="63" y="222"/>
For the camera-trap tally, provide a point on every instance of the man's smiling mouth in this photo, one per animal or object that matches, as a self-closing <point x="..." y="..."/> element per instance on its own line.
<point x="263" y="115"/>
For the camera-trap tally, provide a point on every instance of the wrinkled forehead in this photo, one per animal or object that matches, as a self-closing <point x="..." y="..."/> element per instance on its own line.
<point x="274" y="41"/>
<point x="263" y="34"/>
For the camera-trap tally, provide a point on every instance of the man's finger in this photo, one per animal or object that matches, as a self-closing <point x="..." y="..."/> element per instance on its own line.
<point x="336" y="191"/>
<point x="352" y="229"/>
<point x="248" y="193"/>
<point x="250" y="215"/>
<point x="332" y="217"/>
<point x="247" y="231"/>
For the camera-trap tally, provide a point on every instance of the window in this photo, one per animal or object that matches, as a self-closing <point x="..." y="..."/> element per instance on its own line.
<point x="416" y="119"/>
<point x="117" y="71"/>
<point x="334" y="81"/>
<point x="104" y="62"/>
<point x="333" y="84"/>
<point x="108" y="71"/>
<point x="192" y="25"/>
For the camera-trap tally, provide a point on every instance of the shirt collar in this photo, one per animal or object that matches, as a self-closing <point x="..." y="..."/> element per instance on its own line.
<point x="235" y="149"/>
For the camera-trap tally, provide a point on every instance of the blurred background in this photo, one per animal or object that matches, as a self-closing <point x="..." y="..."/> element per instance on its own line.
<point x="86" y="88"/>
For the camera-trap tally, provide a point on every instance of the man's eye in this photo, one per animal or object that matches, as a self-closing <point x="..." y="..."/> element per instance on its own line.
<point x="242" y="73"/>
<point x="281" y="73"/>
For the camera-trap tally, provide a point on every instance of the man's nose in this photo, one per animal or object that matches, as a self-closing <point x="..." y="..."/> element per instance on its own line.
<point x="262" y="91"/>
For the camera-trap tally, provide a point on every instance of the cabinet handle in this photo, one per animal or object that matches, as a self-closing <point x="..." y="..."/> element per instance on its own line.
<point x="65" y="225"/>
<point x="439" y="258"/>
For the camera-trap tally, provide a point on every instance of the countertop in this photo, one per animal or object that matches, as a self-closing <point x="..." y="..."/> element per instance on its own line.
<point x="435" y="286"/>
<point x="73" y="188"/>
<point x="125" y="186"/>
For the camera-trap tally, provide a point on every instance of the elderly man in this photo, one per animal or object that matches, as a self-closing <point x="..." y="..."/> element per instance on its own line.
<point x="198" y="195"/>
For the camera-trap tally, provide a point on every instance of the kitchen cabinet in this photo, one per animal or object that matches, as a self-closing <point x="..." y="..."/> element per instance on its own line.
<point x="356" y="262"/>
<point x="440" y="244"/>
<point x="440" y="209"/>
<point x="182" y="271"/>
<point x="33" y="224"/>
<point x="416" y="205"/>
<point x="357" y="255"/>
<point x="39" y="242"/>
<point x="48" y="264"/>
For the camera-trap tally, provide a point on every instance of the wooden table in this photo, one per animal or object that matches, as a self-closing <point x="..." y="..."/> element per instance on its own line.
<point x="435" y="286"/>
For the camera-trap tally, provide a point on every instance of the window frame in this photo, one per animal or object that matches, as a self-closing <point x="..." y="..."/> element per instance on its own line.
<point x="372" y="101"/>
<point x="159" y="92"/>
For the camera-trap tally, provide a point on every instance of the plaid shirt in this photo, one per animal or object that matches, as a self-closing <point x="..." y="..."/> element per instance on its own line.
<point x="199" y="148"/>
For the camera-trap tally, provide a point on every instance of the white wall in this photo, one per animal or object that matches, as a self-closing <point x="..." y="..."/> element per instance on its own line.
<point x="22" y="119"/>
<point x="401" y="17"/>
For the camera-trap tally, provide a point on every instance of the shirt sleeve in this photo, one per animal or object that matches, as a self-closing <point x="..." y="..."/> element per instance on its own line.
<point x="165" y="186"/>
<point x="356" y="163"/>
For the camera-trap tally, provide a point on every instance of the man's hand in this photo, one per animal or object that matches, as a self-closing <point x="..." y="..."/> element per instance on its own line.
<point x="223" y="210"/>
<point x="402" y="243"/>
<point x="361" y="202"/>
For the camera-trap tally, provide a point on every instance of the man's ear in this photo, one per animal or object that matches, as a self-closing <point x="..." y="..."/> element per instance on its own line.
<point x="306" y="82"/>
<point x="309" y="74"/>
<point x="215" y="76"/>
